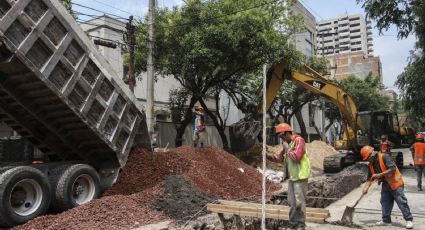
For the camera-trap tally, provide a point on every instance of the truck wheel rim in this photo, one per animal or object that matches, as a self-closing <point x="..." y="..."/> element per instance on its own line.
<point x="83" y="189"/>
<point x="26" y="197"/>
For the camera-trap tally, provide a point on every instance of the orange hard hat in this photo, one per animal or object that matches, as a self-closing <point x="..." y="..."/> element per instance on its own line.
<point x="366" y="151"/>
<point x="283" y="127"/>
<point x="419" y="136"/>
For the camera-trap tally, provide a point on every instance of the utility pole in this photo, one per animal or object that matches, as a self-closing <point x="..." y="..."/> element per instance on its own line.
<point x="150" y="69"/>
<point x="131" y="43"/>
<point x="323" y="100"/>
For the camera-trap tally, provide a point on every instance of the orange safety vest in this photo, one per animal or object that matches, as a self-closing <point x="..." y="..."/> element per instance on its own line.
<point x="395" y="180"/>
<point x="419" y="153"/>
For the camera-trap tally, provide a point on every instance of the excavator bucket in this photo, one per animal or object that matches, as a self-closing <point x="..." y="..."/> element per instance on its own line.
<point x="244" y="134"/>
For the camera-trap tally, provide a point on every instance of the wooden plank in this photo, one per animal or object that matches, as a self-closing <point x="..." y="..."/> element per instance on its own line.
<point x="311" y="210"/>
<point x="271" y="211"/>
<point x="258" y="214"/>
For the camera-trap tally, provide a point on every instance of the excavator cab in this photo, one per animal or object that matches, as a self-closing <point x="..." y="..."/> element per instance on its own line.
<point x="372" y="125"/>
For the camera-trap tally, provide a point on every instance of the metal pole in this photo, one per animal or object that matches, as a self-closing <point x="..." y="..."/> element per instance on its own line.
<point x="150" y="69"/>
<point x="323" y="137"/>
<point x="131" y="43"/>
<point x="263" y="194"/>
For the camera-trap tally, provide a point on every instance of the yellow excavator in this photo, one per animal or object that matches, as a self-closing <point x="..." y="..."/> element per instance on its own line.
<point x="359" y="128"/>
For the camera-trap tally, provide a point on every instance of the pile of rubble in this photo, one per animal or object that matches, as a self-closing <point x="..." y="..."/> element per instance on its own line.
<point x="155" y="186"/>
<point x="326" y="189"/>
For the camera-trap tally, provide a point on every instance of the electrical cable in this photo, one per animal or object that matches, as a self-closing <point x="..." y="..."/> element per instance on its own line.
<point x="96" y="17"/>
<point x="113" y="7"/>
<point x="90" y="8"/>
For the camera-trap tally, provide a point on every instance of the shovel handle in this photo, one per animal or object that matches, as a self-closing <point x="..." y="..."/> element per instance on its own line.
<point x="367" y="188"/>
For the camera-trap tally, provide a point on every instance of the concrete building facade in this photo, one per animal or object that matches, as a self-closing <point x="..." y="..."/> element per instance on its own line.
<point x="109" y="29"/>
<point x="344" y="34"/>
<point x="354" y="63"/>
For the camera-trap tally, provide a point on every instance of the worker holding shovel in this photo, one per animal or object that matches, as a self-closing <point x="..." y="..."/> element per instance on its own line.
<point x="297" y="167"/>
<point x="386" y="172"/>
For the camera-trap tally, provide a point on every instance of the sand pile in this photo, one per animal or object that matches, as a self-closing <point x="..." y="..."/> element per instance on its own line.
<point x="212" y="172"/>
<point x="317" y="150"/>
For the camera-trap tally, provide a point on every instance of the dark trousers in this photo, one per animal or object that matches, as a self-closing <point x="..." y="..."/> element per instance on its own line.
<point x="420" y="170"/>
<point x="388" y="197"/>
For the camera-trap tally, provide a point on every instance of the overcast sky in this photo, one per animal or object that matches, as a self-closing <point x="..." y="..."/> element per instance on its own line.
<point x="393" y="52"/>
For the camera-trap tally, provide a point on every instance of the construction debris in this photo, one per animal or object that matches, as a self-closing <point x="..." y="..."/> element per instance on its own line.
<point x="326" y="189"/>
<point x="145" y="181"/>
<point x="181" y="200"/>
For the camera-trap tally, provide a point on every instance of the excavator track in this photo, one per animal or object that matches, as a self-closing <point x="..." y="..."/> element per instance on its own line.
<point x="333" y="163"/>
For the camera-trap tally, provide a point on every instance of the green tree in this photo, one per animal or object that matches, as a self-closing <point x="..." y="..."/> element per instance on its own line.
<point x="409" y="17"/>
<point x="207" y="45"/>
<point x="365" y="95"/>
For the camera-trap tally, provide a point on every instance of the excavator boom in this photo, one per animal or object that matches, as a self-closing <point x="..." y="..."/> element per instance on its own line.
<point x="244" y="133"/>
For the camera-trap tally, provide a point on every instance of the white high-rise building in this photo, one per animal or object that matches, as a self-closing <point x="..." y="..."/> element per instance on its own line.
<point x="344" y="34"/>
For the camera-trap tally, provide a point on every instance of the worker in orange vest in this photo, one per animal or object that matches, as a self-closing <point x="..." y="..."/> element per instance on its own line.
<point x="383" y="169"/>
<point x="384" y="144"/>
<point x="418" y="154"/>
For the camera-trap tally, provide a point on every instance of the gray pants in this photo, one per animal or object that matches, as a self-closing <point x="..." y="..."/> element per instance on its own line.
<point x="297" y="192"/>
<point x="420" y="170"/>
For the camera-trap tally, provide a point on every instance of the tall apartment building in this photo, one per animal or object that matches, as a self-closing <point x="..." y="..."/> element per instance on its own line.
<point x="344" y="34"/>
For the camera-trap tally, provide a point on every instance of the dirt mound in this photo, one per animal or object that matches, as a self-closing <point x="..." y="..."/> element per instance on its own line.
<point x="317" y="151"/>
<point x="181" y="199"/>
<point x="254" y="158"/>
<point x="110" y="212"/>
<point x="127" y="204"/>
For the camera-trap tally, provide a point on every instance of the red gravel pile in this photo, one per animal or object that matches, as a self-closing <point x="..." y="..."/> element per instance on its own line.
<point x="111" y="212"/>
<point x="214" y="171"/>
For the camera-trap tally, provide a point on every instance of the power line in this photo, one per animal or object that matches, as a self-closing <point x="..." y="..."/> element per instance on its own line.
<point x="312" y="10"/>
<point x="96" y="17"/>
<point x="93" y="24"/>
<point x="113" y="7"/>
<point x="99" y="11"/>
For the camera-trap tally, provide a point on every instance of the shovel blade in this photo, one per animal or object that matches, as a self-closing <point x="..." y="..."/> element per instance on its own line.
<point x="347" y="217"/>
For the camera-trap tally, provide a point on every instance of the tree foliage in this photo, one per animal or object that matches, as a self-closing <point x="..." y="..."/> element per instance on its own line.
<point x="409" y="17"/>
<point x="211" y="45"/>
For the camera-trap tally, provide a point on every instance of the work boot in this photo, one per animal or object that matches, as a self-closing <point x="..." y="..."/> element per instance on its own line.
<point x="409" y="224"/>
<point x="382" y="223"/>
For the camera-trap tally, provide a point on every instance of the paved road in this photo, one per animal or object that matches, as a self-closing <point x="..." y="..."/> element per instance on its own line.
<point x="368" y="211"/>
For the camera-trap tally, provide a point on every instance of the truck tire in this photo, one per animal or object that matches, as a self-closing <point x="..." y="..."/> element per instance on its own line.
<point x="73" y="185"/>
<point x="24" y="195"/>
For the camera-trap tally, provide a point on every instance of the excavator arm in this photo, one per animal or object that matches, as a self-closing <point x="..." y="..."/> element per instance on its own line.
<point x="244" y="133"/>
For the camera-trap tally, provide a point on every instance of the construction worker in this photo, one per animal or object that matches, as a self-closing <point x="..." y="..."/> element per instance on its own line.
<point x="383" y="169"/>
<point x="198" y="126"/>
<point x="384" y="144"/>
<point x="418" y="154"/>
<point x="297" y="166"/>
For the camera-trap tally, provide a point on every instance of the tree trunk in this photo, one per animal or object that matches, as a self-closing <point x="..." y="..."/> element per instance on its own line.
<point x="187" y="119"/>
<point x="220" y="128"/>
<point x="300" y="120"/>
